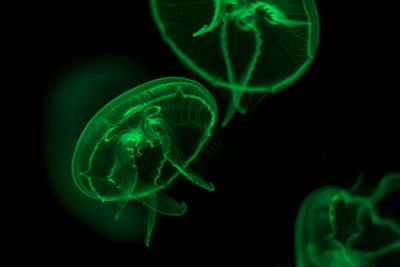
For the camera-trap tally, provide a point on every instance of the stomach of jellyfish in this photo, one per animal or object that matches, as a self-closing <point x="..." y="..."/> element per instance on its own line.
<point x="339" y="227"/>
<point x="241" y="45"/>
<point x="138" y="143"/>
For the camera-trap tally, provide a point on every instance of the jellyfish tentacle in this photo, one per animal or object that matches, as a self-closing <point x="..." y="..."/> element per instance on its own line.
<point x="223" y="39"/>
<point x="98" y="185"/>
<point x="275" y="16"/>
<point x="388" y="185"/>
<point x="231" y="77"/>
<point x="150" y="222"/>
<point x="171" y="148"/>
<point x="119" y="207"/>
<point x="162" y="204"/>
<point x="194" y="177"/>
<point x="219" y="12"/>
<point x="144" y="188"/>
<point x="257" y="52"/>
<point x="244" y="18"/>
<point x="176" y="160"/>
<point x="124" y="173"/>
<point x="124" y="178"/>
<point x="111" y="133"/>
<point x="159" y="203"/>
<point x="150" y="117"/>
<point x="119" y="179"/>
<point x="244" y="80"/>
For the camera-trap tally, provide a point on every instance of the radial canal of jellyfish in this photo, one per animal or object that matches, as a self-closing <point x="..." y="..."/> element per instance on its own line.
<point x="138" y="143"/>
<point x="338" y="227"/>
<point x="241" y="45"/>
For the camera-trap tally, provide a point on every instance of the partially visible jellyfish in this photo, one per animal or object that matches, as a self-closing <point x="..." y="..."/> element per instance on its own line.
<point x="138" y="143"/>
<point x="339" y="227"/>
<point x="253" y="46"/>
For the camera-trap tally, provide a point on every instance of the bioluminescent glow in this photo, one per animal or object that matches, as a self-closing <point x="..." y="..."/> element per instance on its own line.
<point x="248" y="46"/>
<point x="138" y="143"/>
<point x="338" y="227"/>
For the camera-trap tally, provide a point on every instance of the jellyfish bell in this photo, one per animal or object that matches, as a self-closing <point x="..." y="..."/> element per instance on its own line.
<point x="138" y="143"/>
<point x="338" y="227"/>
<point x="245" y="46"/>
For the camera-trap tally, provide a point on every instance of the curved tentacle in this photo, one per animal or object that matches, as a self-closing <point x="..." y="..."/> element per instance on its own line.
<point x="216" y="20"/>
<point x="171" y="147"/>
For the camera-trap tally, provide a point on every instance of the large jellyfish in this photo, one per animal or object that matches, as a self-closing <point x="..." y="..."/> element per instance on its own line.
<point x="138" y="143"/>
<point x="253" y="46"/>
<point x="338" y="227"/>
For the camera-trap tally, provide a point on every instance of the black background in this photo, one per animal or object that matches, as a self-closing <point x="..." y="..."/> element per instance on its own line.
<point x="340" y="118"/>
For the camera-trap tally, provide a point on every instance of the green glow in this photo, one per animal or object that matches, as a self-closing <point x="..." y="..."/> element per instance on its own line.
<point x="241" y="45"/>
<point x="338" y="227"/>
<point x="75" y="94"/>
<point x="138" y="143"/>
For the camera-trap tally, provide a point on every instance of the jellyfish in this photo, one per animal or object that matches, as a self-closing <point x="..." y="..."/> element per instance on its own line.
<point x="341" y="227"/>
<point x="245" y="46"/>
<point x="138" y="143"/>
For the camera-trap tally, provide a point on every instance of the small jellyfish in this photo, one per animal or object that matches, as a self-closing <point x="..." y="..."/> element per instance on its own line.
<point x="339" y="227"/>
<point x="138" y="143"/>
<point x="253" y="46"/>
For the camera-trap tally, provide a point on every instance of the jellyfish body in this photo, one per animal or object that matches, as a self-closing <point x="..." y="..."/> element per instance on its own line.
<point x="242" y="45"/>
<point x="337" y="227"/>
<point x="138" y="143"/>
